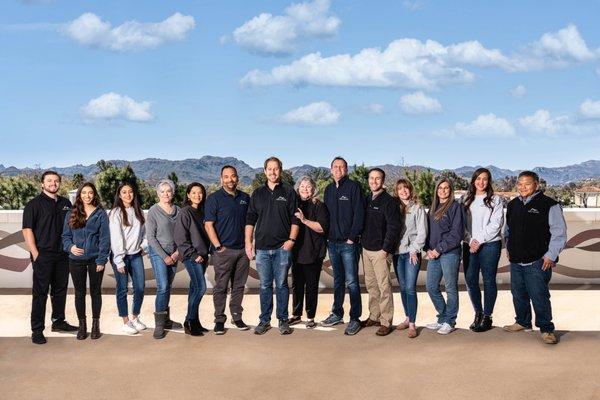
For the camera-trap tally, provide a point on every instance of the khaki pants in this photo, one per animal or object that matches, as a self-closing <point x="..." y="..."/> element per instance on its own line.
<point x="379" y="286"/>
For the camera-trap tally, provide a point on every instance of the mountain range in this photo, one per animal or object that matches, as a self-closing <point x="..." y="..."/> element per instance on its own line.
<point x="207" y="170"/>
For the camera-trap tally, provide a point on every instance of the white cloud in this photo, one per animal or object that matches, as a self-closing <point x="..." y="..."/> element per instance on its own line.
<point x="590" y="109"/>
<point x="319" y="113"/>
<point x="419" y="103"/>
<point x="375" y="108"/>
<point x="111" y="106"/>
<point x="424" y="65"/>
<point x="518" y="91"/>
<point x="488" y="125"/>
<point x="91" y="30"/>
<point x="269" y="34"/>
<point x="542" y="121"/>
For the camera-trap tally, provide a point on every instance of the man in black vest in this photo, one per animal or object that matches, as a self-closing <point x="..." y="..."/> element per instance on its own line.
<point x="43" y="219"/>
<point x="535" y="234"/>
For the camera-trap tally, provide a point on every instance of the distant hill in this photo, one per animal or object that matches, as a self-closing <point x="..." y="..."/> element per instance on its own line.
<point x="207" y="170"/>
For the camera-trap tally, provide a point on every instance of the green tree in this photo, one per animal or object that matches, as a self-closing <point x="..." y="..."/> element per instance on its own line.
<point x="260" y="179"/>
<point x="148" y="196"/>
<point x="360" y="174"/>
<point x="460" y="183"/>
<point x="77" y="180"/>
<point x="16" y="191"/>
<point x="424" y="185"/>
<point x="104" y="165"/>
<point x="109" y="179"/>
<point x="322" y="178"/>
<point x="179" y="195"/>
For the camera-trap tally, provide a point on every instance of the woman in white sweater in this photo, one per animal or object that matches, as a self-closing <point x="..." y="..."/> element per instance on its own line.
<point x="407" y="260"/>
<point x="127" y="238"/>
<point x="482" y="246"/>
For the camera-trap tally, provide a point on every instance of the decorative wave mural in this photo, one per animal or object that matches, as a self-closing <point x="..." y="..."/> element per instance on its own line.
<point x="579" y="262"/>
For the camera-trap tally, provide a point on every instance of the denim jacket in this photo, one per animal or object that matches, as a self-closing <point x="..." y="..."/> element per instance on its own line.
<point x="93" y="238"/>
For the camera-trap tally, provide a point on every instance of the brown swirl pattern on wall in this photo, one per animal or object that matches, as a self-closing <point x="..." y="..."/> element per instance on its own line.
<point x="21" y="264"/>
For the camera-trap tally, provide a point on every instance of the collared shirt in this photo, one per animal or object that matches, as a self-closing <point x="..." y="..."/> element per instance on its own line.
<point x="272" y="213"/>
<point x="45" y="217"/>
<point x="558" y="229"/>
<point x="228" y="212"/>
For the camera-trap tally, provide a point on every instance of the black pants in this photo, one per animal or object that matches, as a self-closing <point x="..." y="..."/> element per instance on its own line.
<point x="305" y="280"/>
<point x="50" y="272"/>
<point x="79" y="270"/>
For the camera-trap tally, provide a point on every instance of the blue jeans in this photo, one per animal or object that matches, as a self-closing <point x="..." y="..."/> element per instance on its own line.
<point x="344" y="261"/>
<point x="273" y="264"/>
<point x="446" y="266"/>
<point x="530" y="283"/>
<point x="134" y="267"/>
<point x="197" y="287"/>
<point x="164" y="275"/>
<point x="407" y="275"/>
<point x="485" y="260"/>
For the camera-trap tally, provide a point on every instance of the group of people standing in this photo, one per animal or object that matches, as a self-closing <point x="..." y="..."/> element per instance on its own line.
<point x="284" y="227"/>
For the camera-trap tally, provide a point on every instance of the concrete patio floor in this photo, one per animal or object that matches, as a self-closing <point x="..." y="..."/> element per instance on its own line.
<point x="321" y="363"/>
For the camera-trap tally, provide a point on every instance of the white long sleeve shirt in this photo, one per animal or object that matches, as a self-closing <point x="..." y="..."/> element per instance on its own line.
<point x="125" y="240"/>
<point x="484" y="223"/>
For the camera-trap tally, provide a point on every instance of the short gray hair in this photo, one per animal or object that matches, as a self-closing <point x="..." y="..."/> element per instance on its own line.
<point x="306" y="178"/>
<point x="164" y="182"/>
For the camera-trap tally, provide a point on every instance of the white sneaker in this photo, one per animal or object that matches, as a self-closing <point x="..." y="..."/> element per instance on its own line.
<point x="137" y="324"/>
<point x="129" y="329"/>
<point x="445" y="329"/>
<point x="434" y="326"/>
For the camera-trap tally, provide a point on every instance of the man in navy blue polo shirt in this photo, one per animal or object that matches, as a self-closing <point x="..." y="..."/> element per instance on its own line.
<point x="224" y="221"/>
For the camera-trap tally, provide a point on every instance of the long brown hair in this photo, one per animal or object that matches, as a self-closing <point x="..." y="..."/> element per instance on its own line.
<point x="438" y="214"/>
<point x="406" y="183"/>
<point x="77" y="219"/>
<point x="472" y="190"/>
<point x="135" y="203"/>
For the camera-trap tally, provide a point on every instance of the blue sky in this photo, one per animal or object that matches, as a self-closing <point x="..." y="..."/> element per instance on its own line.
<point x="444" y="84"/>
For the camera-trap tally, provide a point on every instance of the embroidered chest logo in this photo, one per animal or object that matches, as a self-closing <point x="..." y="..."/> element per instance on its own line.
<point x="280" y="198"/>
<point x="243" y="202"/>
<point x="344" y="198"/>
<point x="533" y="211"/>
<point x="65" y="208"/>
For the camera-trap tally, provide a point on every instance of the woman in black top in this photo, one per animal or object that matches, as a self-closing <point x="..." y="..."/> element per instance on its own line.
<point x="309" y="251"/>
<point x="192" y="244"/>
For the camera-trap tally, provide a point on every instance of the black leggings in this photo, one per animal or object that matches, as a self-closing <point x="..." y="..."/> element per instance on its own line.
<point x="306" y="276"/>
<point x="79" y="270"/>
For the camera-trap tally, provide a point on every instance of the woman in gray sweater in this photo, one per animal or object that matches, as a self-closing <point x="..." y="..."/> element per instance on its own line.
<point x="407" y="260"/>
<point x="163" y="253"/>
<point x="192" y="244"/>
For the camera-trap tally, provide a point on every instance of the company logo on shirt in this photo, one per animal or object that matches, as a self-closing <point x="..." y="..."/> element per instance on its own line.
<point x="280" y="198"/>
<point x="66" y="208"/>
<point x="243" y="202"/>
<point x="533" y="211"/>
<point x="344" y="198"/>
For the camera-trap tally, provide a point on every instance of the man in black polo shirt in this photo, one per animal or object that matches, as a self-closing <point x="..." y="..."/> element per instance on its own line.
<point x="224" y="221"/>
<point x="271" y="211"/>
<point x="43" y="220"/>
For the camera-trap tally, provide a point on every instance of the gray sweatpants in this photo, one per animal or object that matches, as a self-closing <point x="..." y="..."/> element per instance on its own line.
<point x="230" y="266"/>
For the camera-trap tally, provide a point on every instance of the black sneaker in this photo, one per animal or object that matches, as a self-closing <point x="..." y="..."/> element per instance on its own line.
<point x="239" y="324"/>
<point x="262" y="328"/>
<point x="284" y="327"/>
<point x="63" y="326"/>
<point x="38" y="338"/>
<point x="294" y="320"/>
<point x="219" y="328"/>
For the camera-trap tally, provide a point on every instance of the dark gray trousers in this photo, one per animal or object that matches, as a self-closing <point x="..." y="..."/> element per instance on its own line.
<point x="230" y="266"/>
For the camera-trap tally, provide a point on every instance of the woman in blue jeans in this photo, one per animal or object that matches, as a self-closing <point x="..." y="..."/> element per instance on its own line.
<point x="446" y="230"/>
<point x="482" y="246"/>
<point x="407" y="260"/>
<point x="127" y="238"/>
<point x="162" y="249"/>
<point x="192" y="243"/>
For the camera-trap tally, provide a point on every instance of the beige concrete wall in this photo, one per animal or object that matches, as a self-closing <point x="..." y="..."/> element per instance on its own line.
<point x="579" y="263"/>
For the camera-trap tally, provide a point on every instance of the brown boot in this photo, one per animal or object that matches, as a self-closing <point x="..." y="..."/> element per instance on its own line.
<point x="383" y="331"/>
<point x="369" y="322"/>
